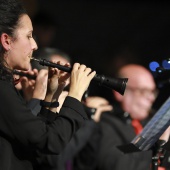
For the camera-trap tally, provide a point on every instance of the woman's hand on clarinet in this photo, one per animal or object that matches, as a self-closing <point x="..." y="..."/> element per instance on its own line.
<point x="34" y="88"/>
<point x="80" y="79"/>
<point x="40" y="87"/>
<point x="56" y="82"/>
<point x="63" y="80"/>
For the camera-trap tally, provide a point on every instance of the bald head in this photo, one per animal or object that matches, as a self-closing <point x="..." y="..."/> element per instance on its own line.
<point x="138" y="76"/>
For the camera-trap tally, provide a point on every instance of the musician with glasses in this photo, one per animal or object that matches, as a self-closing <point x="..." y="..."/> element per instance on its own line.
<point x="130" y="113"/>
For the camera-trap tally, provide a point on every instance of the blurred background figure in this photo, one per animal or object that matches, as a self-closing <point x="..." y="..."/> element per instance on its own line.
<point x="140" y="92"/>
<point x="118" y="127"/>
<point x="96" y="105"/>
<point x="50" y="53"/>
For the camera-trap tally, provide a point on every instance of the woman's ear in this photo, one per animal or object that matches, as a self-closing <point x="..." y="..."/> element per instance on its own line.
<point x="5" y="41"/>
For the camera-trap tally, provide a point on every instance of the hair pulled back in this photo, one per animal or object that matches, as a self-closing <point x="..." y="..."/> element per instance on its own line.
<point x="10" y="13"/>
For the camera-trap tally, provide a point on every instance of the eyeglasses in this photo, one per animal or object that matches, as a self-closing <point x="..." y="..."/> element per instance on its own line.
<point x="143" y="91"/>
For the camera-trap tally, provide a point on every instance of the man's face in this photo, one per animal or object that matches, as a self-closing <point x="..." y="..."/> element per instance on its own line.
<point x="139" y="96"/>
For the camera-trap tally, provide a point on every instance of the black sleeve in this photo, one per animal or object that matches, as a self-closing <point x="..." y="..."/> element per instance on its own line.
<point x="86" y="157"/>
<point x="18" y="123"/>
<point x="116" y="133"/>
<point x="46" y="115"/>
<point x="34" y="105"/>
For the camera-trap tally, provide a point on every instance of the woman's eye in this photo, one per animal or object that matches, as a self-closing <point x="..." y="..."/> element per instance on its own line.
<point x="30" y="36"/>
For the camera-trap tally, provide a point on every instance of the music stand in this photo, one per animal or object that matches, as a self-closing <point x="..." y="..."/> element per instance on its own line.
<point x="151" y="133"/>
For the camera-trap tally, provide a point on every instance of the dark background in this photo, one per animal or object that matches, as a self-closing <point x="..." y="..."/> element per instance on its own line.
<point x="97" y="33"/>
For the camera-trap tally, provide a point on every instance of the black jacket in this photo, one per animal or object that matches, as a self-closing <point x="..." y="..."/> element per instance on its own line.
<point x="23" y="136"/>
<point x="101" y="151"/>
<point x="116" y="132"/>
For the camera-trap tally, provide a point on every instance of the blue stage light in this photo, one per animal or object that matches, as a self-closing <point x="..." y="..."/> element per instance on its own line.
<point x="153" y="65"/>
<point x="166" y="64"/>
